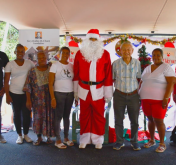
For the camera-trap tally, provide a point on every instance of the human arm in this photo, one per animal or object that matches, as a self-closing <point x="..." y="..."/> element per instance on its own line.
<point x="6" y="87"/>
<point x="174" y="93"/>
<point x="51" y="89"/>
<point x="28" y="101"/>
<point x="2" y="92"/>
<point x="28" y="89"/>
<point x="169" y="89"/>
<point x="140" y="83"/>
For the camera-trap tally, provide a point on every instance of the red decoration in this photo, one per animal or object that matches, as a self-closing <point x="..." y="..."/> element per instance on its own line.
<point x="73" y="44"/>
<point x="169" y="45"/>
<point x="144" y="41"/>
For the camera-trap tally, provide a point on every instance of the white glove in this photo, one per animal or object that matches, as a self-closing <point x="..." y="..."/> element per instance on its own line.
<point x="107" y="100"/>
<point x="76" y="96"/>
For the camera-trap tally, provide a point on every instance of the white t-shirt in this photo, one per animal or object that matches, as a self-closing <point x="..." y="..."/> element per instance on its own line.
<point x="63" y="77"/>
<point x="154" y="84"/>
<point x="18" y="75"/>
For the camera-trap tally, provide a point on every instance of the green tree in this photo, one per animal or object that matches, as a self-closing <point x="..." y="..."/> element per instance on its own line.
<point x="12" y="39"/>
<point x="143" y="58"/>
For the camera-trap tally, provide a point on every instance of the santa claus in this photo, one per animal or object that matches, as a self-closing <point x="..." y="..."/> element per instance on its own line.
<point x="93" y="86"/>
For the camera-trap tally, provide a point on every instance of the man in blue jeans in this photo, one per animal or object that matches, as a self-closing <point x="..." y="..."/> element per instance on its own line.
<point x="3" y="61"/>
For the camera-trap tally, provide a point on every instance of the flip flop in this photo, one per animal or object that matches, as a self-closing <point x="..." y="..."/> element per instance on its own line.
<point x="150" y="144"/>
<point x="69" y="143"/>
<point x="61" y="146"/>
<point x="37" y="142"/>
<point x="161" y="148"/>
<point x="48" y="141"/>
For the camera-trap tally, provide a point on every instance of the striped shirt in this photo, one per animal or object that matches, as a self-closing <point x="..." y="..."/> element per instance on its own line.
<point x="125" y="76"/>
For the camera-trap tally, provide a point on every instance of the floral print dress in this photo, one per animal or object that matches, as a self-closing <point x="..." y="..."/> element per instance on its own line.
<point x="43" y="115"/>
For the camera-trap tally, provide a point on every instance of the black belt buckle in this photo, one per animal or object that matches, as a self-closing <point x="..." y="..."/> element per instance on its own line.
<point x="90" y="83"/>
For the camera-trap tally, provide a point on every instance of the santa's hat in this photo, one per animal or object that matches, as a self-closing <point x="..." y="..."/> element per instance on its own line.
<point x="169" y="45"/>
<point x="93" y="33"/>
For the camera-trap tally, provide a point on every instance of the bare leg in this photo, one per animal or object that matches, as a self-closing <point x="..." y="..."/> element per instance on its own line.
<point x="161" y="129"/>
<point x="151" y="127"/>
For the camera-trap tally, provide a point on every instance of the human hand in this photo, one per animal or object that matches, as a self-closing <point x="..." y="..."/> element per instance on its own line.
<point x="50" y="63"/>
<point x="2" y="91"/>
<point x="76" y="103"/>
<point x="165" y="103"/>
<point x="76" y="96"/>
<point x="29" y="104"/>
<point x="8" y="99"/>
<point x="53" y="103"/>
<point x="107" y="100"/>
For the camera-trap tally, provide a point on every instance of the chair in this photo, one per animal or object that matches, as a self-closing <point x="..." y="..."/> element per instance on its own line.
<point x="76" y="124"/>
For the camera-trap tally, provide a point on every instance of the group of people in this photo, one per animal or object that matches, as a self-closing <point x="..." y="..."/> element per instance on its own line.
<point x="49" y="91"/>
<point x="29" y="87"/>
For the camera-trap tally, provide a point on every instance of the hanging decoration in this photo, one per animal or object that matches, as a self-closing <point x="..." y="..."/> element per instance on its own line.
<point x="140" y="39"/>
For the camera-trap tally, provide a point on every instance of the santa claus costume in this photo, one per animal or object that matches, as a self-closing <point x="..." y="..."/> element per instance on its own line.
<point x="93" y="86"/>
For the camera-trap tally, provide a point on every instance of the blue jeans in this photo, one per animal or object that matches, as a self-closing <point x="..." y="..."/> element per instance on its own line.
<point x="0" y="111"/>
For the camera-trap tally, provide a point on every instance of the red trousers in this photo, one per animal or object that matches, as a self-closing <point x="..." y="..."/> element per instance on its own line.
<point x="92" y="121"/>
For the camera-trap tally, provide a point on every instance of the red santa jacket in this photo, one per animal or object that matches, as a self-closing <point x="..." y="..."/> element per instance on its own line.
<point x="95" y="71"/>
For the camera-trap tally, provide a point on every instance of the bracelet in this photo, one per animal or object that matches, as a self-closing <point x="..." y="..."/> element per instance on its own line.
<point x="53" y="98"/>
<point x="166" y="98"/>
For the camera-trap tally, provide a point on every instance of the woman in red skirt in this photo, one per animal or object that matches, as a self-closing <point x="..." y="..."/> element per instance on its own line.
<point x="155" y="89"/>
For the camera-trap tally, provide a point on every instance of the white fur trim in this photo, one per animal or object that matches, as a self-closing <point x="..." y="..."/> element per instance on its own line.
<point x="75" y="86"/>
<point x="108" y="91"/>
<point x="92" y="35"/>
<point x="85" y="138"/>
<point x="82" y="93"/>
<point x="97" y="139"/>
<point x="96" y="93"/>
<point x="93" y="71"/>
<point x="88" y="138"/>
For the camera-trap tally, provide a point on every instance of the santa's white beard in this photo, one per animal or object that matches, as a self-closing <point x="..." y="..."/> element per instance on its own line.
<point x="92" y="50"/>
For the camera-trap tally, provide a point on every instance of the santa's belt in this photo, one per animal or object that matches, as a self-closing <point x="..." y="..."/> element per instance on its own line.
<point x="91" y="82"/>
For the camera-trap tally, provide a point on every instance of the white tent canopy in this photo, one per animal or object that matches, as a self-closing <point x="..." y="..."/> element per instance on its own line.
<point x="78" y="16"/>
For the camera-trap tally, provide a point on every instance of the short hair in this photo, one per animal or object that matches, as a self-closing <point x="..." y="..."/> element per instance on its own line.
<point x="19" y="45"/>
<point x="64" y="47"/>
<point x="158" y="49"/>
<point x="41" y="52"/>
<point x="126" y="42"/>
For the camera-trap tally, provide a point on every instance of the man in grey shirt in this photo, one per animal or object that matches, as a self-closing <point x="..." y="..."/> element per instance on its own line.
<point x="126" y="71"/>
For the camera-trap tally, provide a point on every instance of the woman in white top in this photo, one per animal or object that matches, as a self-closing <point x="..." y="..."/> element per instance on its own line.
<point x="62" y="96"/>
<point x="17" y="70"/>
<point x="155" y="89"/>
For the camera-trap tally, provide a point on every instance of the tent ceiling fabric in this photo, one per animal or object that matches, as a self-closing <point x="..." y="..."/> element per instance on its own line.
<point x="78" y="16"/>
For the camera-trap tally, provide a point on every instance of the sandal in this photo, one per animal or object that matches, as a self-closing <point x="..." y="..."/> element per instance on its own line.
<point x="61" y="146"/>
<point x="150" y="144"/>
<point x="37" y="142"/>
<point x="48" y="141"/>
<point x="161" y="148"/>
<point x="69" y="143"/>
